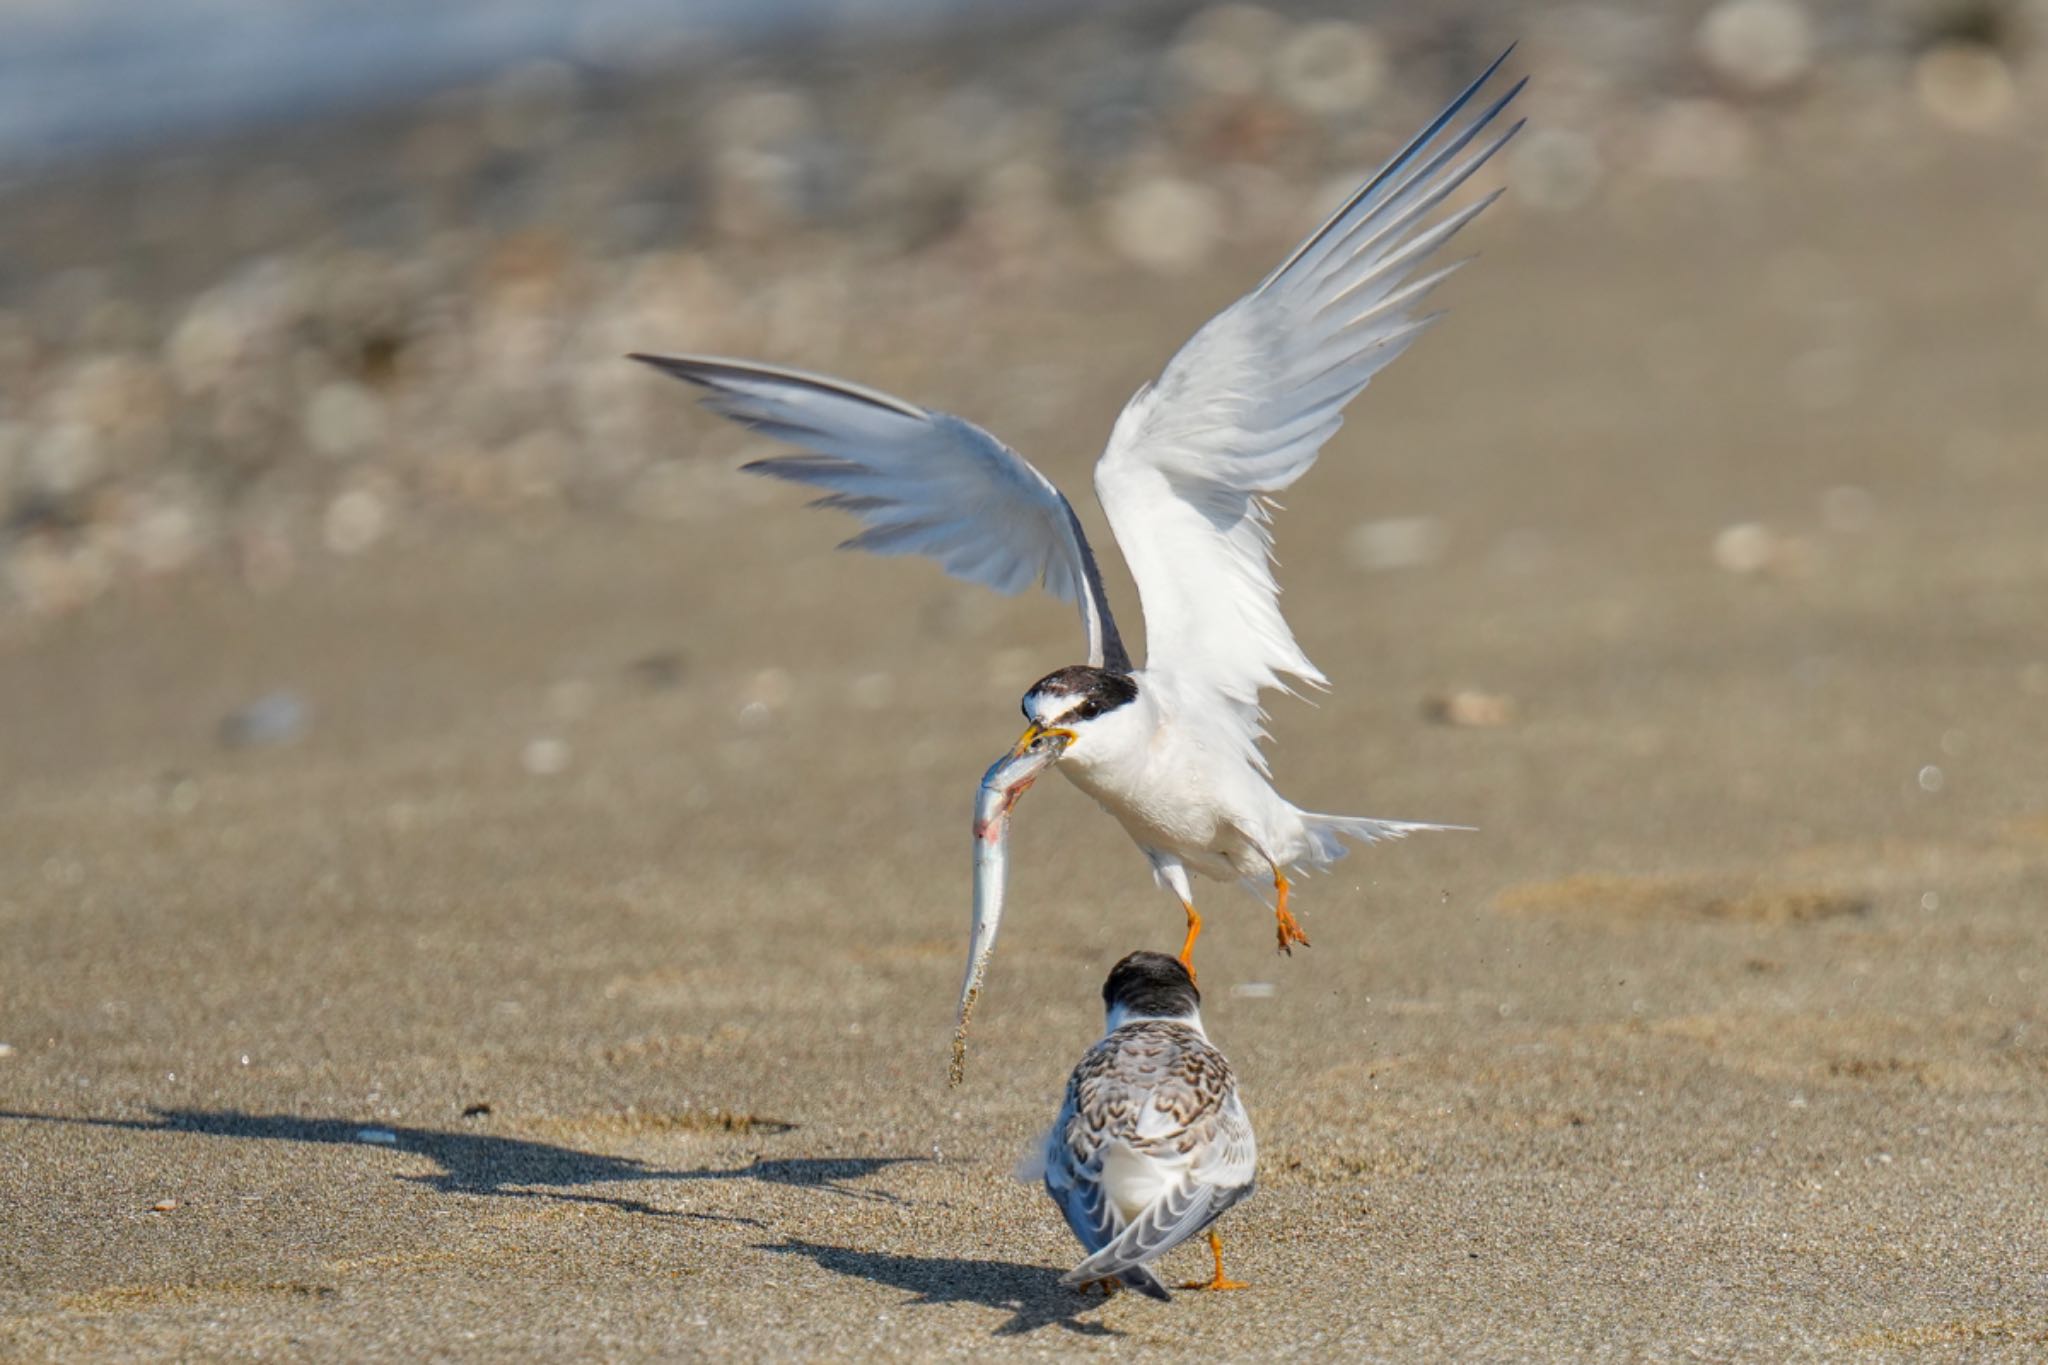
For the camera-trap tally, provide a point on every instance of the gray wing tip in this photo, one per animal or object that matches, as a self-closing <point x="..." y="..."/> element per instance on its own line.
<point x="685" y="368"/>
<point x="1145" y="1282"/>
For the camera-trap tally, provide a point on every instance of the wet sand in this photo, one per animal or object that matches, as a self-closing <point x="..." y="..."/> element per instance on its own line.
<point x="1724" y="1038"/>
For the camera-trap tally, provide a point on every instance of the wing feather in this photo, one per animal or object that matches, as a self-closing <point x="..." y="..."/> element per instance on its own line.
<point x="1246" y="406"/>
<point x="925" y="483"/>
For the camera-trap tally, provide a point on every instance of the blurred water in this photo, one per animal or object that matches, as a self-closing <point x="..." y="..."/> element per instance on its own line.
<point x="80" y="77"/>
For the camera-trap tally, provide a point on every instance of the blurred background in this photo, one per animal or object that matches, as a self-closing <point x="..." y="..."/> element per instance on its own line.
<point x="412" y="725"/>
<point x="285" y="284"/>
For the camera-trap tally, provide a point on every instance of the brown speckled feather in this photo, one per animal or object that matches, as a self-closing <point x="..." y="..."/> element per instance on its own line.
<point x="1150" y="1147"/>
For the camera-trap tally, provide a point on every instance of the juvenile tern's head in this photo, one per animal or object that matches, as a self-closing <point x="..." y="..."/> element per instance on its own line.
<point x="1150" y="986"/>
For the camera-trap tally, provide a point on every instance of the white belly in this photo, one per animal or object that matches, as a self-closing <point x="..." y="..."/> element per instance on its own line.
<point x="1154" y="767"/>
<point x="1182" y="806"/>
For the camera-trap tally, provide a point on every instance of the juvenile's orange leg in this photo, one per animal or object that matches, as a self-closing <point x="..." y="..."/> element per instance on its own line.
<point x="1187" y="947"/>
<point x="1289" y="930"/>
<point x="1218" y="1280"/>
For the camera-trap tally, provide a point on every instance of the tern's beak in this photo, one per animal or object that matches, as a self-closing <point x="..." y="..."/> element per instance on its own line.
<point x="1035" y="751"/>
<point x="1056" y="738"/>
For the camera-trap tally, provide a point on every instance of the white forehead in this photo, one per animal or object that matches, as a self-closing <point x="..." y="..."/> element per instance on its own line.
<point x="1051" y="706"/>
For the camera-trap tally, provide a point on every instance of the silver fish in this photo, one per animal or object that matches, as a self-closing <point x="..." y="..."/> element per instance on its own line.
<point x="1007" y="779"/>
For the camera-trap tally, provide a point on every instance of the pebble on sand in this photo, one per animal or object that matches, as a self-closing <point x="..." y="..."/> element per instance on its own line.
<point x="1697" y="139"/>
<point x="1331" y="67"/>
<point x="1471" y="709"/>
<point x="1744" y="548"/>
<point x="1758" y="46"/>
<point x="545" y="757"/>
<point x="377" y="1137"/>
<point x="1164" y="223"/>
<point x="274" y="718"/>
<point x="355" y="520"/>
<point x="1965" y="86"/>
<point x="1221" y="50"/>
<point x="1750" y="548"/>
<point x="1396" y="543"/>
<point x="1556" y="169"/>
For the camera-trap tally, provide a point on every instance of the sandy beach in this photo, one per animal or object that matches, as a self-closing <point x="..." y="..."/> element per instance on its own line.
<point x="572" y="977"/>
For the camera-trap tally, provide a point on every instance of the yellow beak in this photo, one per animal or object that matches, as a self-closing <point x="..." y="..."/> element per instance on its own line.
<point x="1036" y="732"/>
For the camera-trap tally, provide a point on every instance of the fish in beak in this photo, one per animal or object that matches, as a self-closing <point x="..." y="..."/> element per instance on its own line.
<point x="1007" y="779"/>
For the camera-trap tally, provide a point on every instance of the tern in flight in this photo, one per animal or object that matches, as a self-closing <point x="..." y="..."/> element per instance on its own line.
<point x="1172" y="749"/>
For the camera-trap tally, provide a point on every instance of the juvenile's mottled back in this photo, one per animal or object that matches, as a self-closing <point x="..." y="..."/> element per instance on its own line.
<point x="1152" y="1144"/>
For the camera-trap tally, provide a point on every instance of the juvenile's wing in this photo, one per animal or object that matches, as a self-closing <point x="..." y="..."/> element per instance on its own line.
<point x="926" y="483"/>
<point x="1196" y="1139"/>
<point x="1073" y="1168"/>
<point x="1242" y="411"/>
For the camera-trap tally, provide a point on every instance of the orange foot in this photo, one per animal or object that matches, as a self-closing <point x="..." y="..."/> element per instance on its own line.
<point x="1217" y="1281"/>
<point x="1289" y="933"/>
<point x="1289" y="930"/>
<point x="1107" y="1286"/>
<point x="1187" y="947"/>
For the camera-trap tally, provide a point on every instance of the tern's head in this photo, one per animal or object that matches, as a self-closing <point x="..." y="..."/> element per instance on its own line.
<point x="1068" y="704"/>
<point x="1150" y="986"/>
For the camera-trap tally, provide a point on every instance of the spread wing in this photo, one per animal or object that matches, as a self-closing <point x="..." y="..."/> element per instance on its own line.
<point x="926" y="483"/>
<point x="1242" y="411"/>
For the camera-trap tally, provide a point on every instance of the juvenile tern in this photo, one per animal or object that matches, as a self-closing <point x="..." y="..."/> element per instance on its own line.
<point x="1152" y="1144"/>
<point x="1172" y="749"/>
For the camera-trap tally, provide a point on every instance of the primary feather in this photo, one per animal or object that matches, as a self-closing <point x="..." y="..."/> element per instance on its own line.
<point x="1246" y="406"/>
<point x="1239" y="414"/>
<point x="925" y="482"/>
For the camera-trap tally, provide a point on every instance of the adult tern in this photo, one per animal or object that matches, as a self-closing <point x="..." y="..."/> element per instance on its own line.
<point x="1172" y="749"/>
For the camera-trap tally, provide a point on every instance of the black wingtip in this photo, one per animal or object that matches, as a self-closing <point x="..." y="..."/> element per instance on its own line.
<point x="670" y="366"/>
<point x="1149" y="1286"/>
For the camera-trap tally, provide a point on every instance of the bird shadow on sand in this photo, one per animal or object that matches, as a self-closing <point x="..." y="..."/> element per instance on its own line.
<point x="1032" y="1294"/>
<point x="509" y="1167"/>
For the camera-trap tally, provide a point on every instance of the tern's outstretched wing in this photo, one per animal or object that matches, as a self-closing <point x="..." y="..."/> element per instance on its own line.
<point x="1241" y="412"/>
<point x="926" y="483"/>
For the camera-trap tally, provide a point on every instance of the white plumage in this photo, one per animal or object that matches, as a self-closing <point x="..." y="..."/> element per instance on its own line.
<point x="1239" y="414"/>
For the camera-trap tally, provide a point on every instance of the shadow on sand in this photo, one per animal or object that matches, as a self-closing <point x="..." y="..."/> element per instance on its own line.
<point x="507" y="1167"/>
<point x="1032" y="1294"/>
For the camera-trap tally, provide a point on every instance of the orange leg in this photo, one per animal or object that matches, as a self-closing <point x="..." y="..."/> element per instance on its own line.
<point x="1289" y="930"/>
<point x="1218" y="1280"/>
<point x="1187" y="947"/>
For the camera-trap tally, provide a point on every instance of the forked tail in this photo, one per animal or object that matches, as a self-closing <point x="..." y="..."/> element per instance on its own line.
<point x="1327" y="833"/>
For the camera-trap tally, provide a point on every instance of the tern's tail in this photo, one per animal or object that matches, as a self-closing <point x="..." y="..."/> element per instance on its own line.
<point x="1327" y="833"/>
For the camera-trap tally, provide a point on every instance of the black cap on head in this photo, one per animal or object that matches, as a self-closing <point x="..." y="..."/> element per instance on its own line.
<point x="1151" y="984"/>
<point x="1099" y="690"/>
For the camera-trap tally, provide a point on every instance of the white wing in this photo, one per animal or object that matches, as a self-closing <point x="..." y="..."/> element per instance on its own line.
<point x="926" y="483"/>
<point x="1241" y="412"/>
